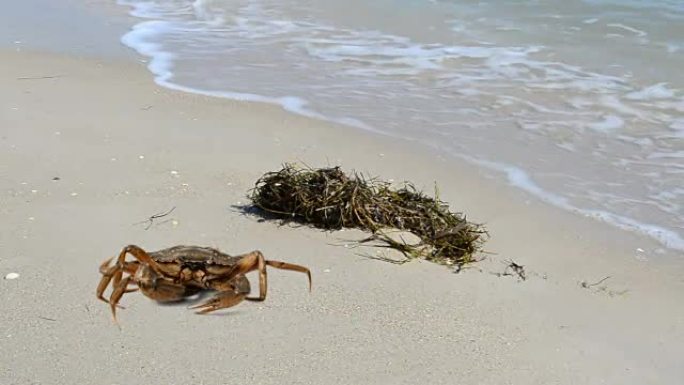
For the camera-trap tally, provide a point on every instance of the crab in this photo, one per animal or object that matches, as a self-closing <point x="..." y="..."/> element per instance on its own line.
<point x="175" y="273"/>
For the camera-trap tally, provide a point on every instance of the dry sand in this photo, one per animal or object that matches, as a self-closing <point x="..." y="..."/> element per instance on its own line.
<point x="124" y="149"/>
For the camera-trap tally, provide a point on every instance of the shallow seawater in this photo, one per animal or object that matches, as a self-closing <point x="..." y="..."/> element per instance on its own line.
<point x="579" y="103"/>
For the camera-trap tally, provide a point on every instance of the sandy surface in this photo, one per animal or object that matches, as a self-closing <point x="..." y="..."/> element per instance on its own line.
<point x="77" y="27"/>
<point x="124" y="149"/>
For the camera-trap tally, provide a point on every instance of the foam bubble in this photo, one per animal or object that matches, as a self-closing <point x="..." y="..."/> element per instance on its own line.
<point x="678" y="125"/>
<point x="656" y="91"/>
<point x="609" y="123"/>
<point x="635" y="31"/>
<point x="517" y="177"/>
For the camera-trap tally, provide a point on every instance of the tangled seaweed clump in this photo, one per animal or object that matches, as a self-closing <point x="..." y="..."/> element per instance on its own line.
<point x="330" y="199"/>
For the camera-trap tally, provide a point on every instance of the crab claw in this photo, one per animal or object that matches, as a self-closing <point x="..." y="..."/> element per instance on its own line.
<point x="222" y="300"/>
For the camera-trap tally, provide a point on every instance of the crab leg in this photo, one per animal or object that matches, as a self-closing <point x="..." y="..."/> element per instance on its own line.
<point x="292" y="267"/>
<point x="118" y="292"/>
<point x="256" y="261"/>
<point x="140" y="254"/>
<point x="107" y="274"/>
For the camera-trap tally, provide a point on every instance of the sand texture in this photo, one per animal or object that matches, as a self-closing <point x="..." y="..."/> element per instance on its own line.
<point x="89" y="149"/>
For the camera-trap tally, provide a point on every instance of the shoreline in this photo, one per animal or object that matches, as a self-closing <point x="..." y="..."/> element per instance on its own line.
<point x="115" y="156"/>
<point x="161" y="67"/>
<point x="121" y="22"/>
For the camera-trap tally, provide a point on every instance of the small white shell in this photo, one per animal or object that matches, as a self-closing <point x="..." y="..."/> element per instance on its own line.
<point x="12" y="276"/>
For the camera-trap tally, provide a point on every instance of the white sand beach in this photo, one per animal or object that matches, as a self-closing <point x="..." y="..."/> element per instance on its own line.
<point x="91" y="147"/>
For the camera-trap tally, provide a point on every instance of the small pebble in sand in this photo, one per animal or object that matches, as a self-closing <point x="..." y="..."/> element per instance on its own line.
<point x="639" y="249"/>
<point x="141" y="157"/>
<point x="326" y="271"/>
<point x="381" y="154"/>
<point x="12" y="276"/>
<point x="31" y="218"/>
<point x="174" y="173"/>
<point x="56" y="178"/>
<point x="73" y="194"/>
<point x="34" y="191"/>
<point x="174" y="223"/>
<point x="113" y="159"/>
